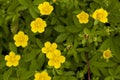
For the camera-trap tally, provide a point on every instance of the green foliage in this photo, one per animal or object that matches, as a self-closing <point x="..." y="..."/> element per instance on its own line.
<point x="81" y="44"/>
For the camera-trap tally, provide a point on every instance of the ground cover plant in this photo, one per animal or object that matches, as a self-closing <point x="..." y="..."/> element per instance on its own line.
<point x="59" y="39"/>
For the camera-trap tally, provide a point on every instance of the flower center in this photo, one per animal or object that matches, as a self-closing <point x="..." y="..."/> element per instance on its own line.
<point x="107" y="54"/>
<point x="99" y="16"/>
<point x="21" y="39"/>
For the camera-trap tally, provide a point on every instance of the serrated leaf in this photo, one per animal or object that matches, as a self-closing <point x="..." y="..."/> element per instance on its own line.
<point x="62" y="37"/>
<point x="60" y="28"/>
<point x="7" y="74"/>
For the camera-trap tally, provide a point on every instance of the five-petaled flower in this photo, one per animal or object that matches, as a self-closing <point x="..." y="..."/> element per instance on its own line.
<point x="49" y="48"/>
<point x="42" y="76"/>
<point x="83" y="17"/>
<point x="107" y="54"/>
<point x="20" y="39"/>
<point x="12" y="59"/>
<point x="45" y="8"/>
<point x="100" y="15"/>
<point x="38" y="25"/>
<point x="55" y="59"/>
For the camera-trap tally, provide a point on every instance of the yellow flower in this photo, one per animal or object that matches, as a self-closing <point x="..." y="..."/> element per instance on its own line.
<point x="54" y="1"/>
<point x="100" y="15"/>
<point x="20" y="39"/>
<point x="42" y="76"/>
<point x="45" y="8"/>
<point x="83" y="17"/>
<point x="55" y="59"/>
<point x="12" y="59"/>
<point x="38" y="25"/>
<point x="49" y="48"/>
<point x="107" y="54"/>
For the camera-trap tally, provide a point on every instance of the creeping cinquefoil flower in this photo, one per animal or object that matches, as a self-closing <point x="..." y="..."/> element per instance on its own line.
<point x="45" y="8"/>
<point x="100" y="15"/>
<point x="38" y="25"/>
<point x="12" y="59"/>
<point x="20" y="39"/>
<point x="83" y="17"/>
<point x="42" y="76"/>
<point x="55" y="59"/>
<point x="107" y="54"/>
<point x="49" y="48"/>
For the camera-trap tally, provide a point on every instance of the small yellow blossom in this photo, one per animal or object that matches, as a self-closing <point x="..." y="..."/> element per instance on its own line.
<point x="42" y="76"/>
<point x="54" y="1"/>
<point x="45" y="8"/>
<point x="38" y="25"/>
<point x="107" y="54"/>
<point x="12" y="59"/>
<point x="49" y="48"/>
<point x="20" y="39"/>
<point x="100" y="15"/>
<point x="55" y="59"/>
<point x="83" y="17"/>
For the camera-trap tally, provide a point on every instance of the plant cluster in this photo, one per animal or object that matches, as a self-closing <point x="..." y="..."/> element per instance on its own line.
<point x="59" y="40"/>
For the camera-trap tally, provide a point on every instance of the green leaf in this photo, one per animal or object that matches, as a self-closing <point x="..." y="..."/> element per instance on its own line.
<point x="30" y="56"/>
<point x="23" y="2"/>
<point x="73" y="29"/>
<point x="37" y="2"/>
<point x="7" y="74"/>
<point x="48" y="31"/>
<point x="62" y="37"/>
<point x="70" y="39"/>
<point x="1" y="20"/>
<point x="33" y="65"/>
<point x="86" y="31"/>
<point x="26" y="75"/>
<point x="60" y="28"/>
<point x="109" y="78"/>
<point x="95" y="70"/>
<point x="77" y="23"/>
<point x="2" y="64"/>
<point x="13" y="6"/>
<point x="69" y="73"/>
<point x="41" y="60"/>
<point x="53" y="21"/>
<point x="12" y="47"/>
<point x="33" y="13"/>
<point x="76" y="57"/>
<point x="104" y="64"/>
<point x="117" y="71"/>
<point x="21" y="8"/>
<point x="39" y="43"/>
